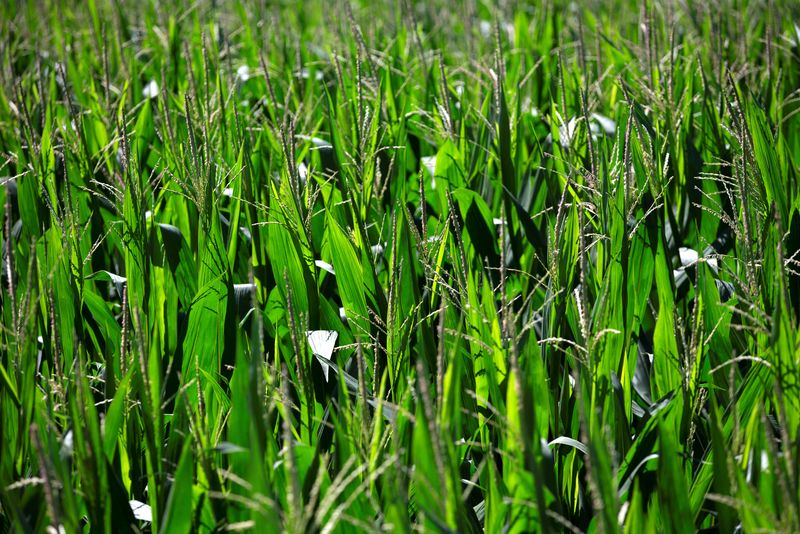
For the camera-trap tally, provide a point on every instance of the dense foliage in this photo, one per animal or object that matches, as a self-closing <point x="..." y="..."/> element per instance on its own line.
<point x="336" y="266"/>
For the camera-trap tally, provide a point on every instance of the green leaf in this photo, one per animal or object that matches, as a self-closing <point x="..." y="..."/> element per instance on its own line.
<point x="349" y="279"/>
<point x="179" y="510"/>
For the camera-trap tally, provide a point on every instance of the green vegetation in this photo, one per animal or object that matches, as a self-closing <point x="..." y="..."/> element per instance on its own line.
<point x="335" y="267"/>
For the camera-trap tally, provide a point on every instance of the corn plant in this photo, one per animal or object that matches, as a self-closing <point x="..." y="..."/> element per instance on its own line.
<point x="400" y="266"/>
